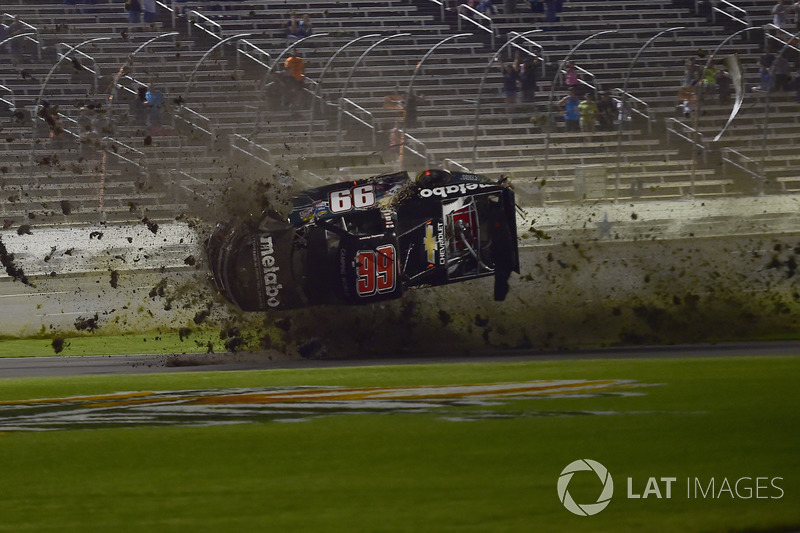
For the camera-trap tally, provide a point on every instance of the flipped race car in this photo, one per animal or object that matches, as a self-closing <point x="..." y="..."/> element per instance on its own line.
<point x="364" y="241"/>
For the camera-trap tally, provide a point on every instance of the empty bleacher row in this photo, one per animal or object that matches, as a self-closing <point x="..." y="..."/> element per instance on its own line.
<point x="226" y="123"/>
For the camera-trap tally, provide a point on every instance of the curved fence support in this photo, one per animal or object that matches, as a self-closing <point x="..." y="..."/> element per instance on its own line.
<point x="765" y="125"/>
<point x="552" y="93"/>
<point x="318" y="87"/>
<point x="347" y="84"/>
<point x="271" y="69"/>
<point x="421" y="62"/>
<point x="489" y="65"/>
<point x="624" y="100"/>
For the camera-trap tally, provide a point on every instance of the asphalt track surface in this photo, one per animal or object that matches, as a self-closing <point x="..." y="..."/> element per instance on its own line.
<point x="20" y="367"/>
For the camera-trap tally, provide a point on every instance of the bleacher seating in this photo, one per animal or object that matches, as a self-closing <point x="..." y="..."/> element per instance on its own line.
<point x="226" y="97"/>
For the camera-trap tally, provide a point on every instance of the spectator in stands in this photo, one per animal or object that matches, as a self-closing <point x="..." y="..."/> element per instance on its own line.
<point x="293" y="28"/>
<point x="588" y="112"/>
<point x="780" y="74"/>
<point x="510" y="78"/>
<point x="486" y="7"/>
<point x="529" y="79"/>
<point x="149" y="8"/>
<point x="134" y="9"/>
<point x="509" y="7"/>
<point x="537" y="6"/>
<point x="550" y="10"/>
<point x="570" y="105"/>
<point x="410" y="117"/>
<point x="571" y="77"/>
<point x="709" y="80"/>
<point x="724" y="86"/>
<point x="796" y="12"/>
<point x="276" y="91"/>
<point x="84" y="126"/>
<point x="52" y="117"/>
<point x="395" y="142"/>
<point x="780" y="14"/>
<point x="764" y="66"/>
<point x="306" y="28"/>
<point x="154" y="99"/>
<point x="795" y="86"/>
<point x="624" y="113"/>
<point x="691" y="72"/>
<point x="138" y="107"/>
<point x="14" y="28"/>
<point x="394" y="100"/>
<point x="295" y="70"/>
<point x="606" y="111"/>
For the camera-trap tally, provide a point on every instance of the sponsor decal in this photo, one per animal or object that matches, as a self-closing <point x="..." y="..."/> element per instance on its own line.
<point x="269" y="271"/>
<point x="388" y="221"/>
<point x="440" y="241"/>
<point x="449" y="190"/>
<point x="344" y="200"/>
<point x="293" y="404"/>
<point x="430" y="244"/>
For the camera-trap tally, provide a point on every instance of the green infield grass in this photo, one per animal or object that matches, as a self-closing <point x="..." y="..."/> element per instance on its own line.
<point x="170" y="342"/>
<point x="426" y="462"/>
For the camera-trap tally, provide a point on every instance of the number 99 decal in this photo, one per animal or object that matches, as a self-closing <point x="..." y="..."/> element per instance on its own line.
<point x="375" y="270"/>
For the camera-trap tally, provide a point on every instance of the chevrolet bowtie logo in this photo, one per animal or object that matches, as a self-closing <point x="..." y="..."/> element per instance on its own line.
<point x="430" y="243"/>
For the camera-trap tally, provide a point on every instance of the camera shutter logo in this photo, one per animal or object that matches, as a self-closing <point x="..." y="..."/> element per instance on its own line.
<point x="585" y="509"/>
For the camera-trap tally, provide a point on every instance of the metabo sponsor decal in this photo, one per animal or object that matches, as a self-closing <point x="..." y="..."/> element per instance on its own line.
<point x="746" y="487"/>
<point x="269" y="271"/>
<point x="449" y="190"/>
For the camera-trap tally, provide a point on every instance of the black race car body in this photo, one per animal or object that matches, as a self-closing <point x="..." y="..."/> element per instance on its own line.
<point x="365" y="241"/>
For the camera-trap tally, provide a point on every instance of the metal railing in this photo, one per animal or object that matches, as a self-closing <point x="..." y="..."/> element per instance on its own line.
<point x="194" y="119"/>
<point x="201" y="187"/>
<point x="416" y="147"/>
<point x="86" y="57"/>
<point x="200" y="20"/>
<point x="688" y="134"/>
<point x="473" y="16"/>
<point x="251" y="148"/>
<point x="172" y="8"/>
<point x="516" y="36"/>
<point x="743" y="18"/>
<point x="366" y="119"/>
<point x="28" y="28"/>
<point x="731" y="157"/>
<point x="781" y="36"/>
<point x="450" y="164"/>
<point x="637" y="106"/>
<point x="241" y="50"/>
<point x="441" y="5"/>
<point x="130" y="149"/>
<point x="11" y="101"/>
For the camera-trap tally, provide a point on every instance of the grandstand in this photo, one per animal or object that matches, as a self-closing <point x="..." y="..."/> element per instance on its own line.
<point x="218" y="64"/>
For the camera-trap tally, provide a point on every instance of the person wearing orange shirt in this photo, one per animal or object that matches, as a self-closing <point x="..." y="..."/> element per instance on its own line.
<point x="295" y="67"/>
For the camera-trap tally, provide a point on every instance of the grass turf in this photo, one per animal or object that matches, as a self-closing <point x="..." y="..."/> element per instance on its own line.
<point x="144" y="343"/>
<point x="720" y="418"/>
